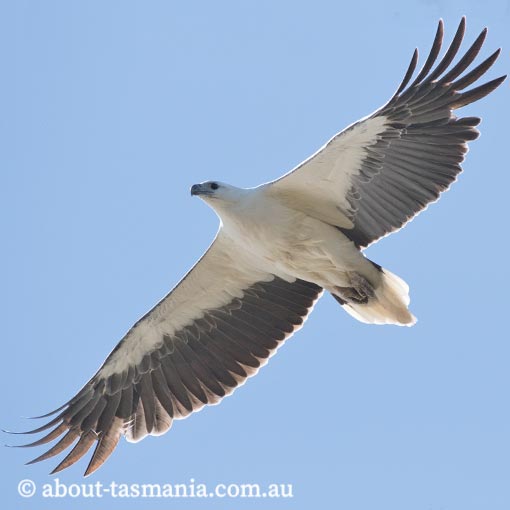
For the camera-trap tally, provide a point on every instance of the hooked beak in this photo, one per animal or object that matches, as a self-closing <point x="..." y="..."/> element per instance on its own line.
<point x="199" y="189"/>
<point x="195" y="190"/>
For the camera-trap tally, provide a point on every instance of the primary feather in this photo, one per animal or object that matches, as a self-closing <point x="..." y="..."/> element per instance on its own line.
<point x="278" y="247"/>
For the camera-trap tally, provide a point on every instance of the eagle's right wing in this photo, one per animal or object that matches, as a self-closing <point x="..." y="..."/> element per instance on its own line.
<point x="214" y="330"/>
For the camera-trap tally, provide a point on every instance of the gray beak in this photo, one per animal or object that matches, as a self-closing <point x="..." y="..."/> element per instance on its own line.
<point x="201" y="190"/>
<point x="195" y="189"/>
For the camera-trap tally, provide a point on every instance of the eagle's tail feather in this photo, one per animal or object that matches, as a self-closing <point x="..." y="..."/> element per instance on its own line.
<point x="387" y="304"/>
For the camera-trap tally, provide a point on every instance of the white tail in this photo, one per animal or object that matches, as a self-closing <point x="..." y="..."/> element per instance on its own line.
<point x="388" y="306"/>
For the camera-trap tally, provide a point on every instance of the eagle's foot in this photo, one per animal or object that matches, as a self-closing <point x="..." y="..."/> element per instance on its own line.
<point x="360" y="292"/>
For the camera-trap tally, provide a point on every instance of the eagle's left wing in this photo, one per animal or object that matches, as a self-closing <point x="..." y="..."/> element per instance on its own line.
<point x="377" y="174"/>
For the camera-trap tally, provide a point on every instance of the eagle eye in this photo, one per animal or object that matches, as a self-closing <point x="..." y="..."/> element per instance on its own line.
<point x="214" y="185"/>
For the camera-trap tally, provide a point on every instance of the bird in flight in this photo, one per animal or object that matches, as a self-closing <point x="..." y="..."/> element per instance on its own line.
<point x="279" y="247"/>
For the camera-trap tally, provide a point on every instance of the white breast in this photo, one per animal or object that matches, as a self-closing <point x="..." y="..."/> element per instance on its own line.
<point x="289" y="242"/>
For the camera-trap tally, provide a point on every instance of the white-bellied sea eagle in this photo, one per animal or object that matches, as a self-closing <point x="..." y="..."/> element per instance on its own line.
<point x="279" y="246"/>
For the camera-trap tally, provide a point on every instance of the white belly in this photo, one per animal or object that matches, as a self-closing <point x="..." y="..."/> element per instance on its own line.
<point x="291" y="243"/>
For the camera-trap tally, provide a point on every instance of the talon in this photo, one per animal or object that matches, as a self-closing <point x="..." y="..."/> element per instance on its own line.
<point x="360" y="292"/>
<point x="362" y="285"/>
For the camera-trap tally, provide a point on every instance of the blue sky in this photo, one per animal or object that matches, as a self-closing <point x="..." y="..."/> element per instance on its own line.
<point x="111" y="110"/>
